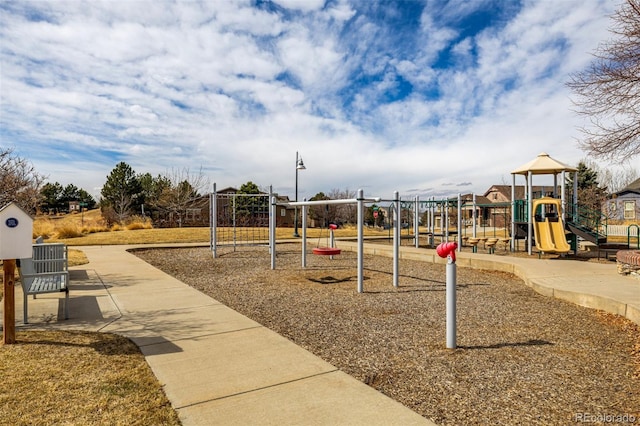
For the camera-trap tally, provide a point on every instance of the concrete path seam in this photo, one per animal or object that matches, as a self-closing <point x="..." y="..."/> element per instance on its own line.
<point x="275" y="385"/>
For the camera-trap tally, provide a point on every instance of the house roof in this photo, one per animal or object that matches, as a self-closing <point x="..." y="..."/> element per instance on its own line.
<point x="479" y="199"/>
<point x="543" y="164"/>
<point x="505" y="190"/>
<point x="633" y="187"/>
<point x="227" y="190"/>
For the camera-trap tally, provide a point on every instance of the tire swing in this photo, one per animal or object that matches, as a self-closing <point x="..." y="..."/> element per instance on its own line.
<point x="328" y="251"/>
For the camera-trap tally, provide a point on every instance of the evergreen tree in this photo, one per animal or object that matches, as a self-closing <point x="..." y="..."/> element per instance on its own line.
<point x="590" y="194"/>
<point x="121" y="193"/>
<point x="250" y="205"/>
<point x="51" y="194"/>
<point x="86" y="199"/>
<point x="56" y="198"/>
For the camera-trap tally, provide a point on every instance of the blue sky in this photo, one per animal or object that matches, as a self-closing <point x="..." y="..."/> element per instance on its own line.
<point x="427" y="98"/>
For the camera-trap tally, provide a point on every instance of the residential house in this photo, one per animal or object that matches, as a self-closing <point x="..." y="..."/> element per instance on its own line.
<point x="232" y="208"/>
<point x="624" y="205"/>
<point x="499" y="214"/>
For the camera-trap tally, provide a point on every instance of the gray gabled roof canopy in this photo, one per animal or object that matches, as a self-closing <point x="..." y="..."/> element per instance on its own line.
<point x="543" y="164"/>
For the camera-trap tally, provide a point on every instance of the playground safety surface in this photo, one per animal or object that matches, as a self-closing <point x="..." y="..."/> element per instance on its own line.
<point x="521" y="355"/>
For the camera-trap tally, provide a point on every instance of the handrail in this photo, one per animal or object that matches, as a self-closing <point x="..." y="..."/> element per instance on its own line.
<point x="589" y="220"/>
<point x="637" y="235"/>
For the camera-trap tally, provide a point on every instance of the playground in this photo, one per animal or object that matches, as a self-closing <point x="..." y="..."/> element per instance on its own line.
<point x="546" y="220"/>
<point x="520" y="355"/>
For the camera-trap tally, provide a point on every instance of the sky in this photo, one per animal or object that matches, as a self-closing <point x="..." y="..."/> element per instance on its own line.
<point x="427" y="98"/>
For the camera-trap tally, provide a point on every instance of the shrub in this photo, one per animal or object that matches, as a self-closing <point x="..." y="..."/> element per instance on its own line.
<point x="44" y="228"/>
<point x="68" y="231"/>
<point x="94" y="229"/>
<point x="137" y="222"/>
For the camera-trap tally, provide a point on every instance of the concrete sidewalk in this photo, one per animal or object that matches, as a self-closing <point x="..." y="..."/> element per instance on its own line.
<point x="220" y="367"/>
<point x="216" y="365"/>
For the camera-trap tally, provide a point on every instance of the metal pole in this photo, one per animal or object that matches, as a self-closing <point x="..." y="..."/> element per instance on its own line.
<point x="234" y="221"/>
<point x="451" y="303"/>
<point x="432" y="221"/>
<point x="214" y="221"/>
<point x="304" y="236"/>
<point x="475" y="216"/>
<point x="444" y="219"/>
<point x="563" y="195"/>
<point x="530" y="212"/>
<point x="272" y="231"/>
<point x="459" y="222"/>
<point x="332" y="241"/>
<point x="513" y="213"/>
<point x="575" y="197"/>
<point x="271" y="218"/>
<point x="396" y="238"/>
<point x="295" y="221"/>
<point x="360" y="213"/>
<point x="416" y="222"/>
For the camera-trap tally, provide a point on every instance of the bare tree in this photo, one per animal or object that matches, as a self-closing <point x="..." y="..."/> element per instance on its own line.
<point x="342" y="213"/>
<point x="612" y="180"/>
<point x="608" y="92"/>
<point x="19" y="182"/>
<point x="183" y="189"/>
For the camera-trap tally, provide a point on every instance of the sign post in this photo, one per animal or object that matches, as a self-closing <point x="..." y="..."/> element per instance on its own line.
<point x="9" y="313"/>
<point x="82" y="206"/>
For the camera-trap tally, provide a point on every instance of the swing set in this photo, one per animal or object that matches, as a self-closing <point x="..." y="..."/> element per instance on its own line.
<point x="331" y="249"/>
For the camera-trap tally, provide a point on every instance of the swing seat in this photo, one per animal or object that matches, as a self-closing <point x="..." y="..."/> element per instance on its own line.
<point x="326" y="251"/>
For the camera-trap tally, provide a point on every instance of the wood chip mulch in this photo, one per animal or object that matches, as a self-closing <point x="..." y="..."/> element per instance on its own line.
<point x="522" y="358"/>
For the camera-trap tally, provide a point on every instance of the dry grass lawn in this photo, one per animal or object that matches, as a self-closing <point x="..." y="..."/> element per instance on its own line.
<point x="80" y="378"/>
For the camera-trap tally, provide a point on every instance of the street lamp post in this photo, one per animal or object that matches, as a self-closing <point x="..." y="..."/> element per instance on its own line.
<point x="299" y="166"/>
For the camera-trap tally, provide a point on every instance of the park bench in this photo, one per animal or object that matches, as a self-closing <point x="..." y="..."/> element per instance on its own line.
<point x="47" y="271"/>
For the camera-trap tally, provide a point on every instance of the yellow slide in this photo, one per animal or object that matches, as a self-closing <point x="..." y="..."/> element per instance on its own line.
<point x="549" y="234"/>
<point x="559" y="237"/>
<point x="550" y="237"/>
<point x="542" y="232"/>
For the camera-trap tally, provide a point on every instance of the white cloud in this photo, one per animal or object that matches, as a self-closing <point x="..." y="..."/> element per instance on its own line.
<point x="302" y="5"/>
<point x="237" y="89"/>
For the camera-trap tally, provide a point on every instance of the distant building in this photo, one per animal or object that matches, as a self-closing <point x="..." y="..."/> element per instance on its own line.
<point x="232" y="208"/>
<point x="624" y="204"/>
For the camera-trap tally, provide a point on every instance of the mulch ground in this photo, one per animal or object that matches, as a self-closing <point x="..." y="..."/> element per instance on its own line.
<point x="521" y="358"/>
